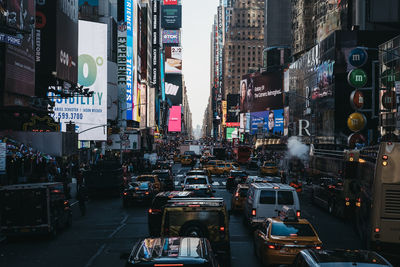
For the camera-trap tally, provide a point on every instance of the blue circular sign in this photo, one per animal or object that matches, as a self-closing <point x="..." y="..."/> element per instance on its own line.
<point x="358" y="57"/>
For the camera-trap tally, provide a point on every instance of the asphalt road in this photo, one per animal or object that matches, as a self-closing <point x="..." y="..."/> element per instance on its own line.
<point x="107" y="230"/>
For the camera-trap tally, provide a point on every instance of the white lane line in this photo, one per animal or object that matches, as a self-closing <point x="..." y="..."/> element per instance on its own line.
<point x="99" y="251"/>
<point x="119" y="227"/>
<point x="76" y="202"/>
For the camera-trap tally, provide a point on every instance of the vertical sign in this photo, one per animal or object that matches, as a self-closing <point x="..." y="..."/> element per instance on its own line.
<point x="156" y="44"/>
<point x="129" y="59"/>
<point x="122" y="66"/>
<point x="3" y="153"/>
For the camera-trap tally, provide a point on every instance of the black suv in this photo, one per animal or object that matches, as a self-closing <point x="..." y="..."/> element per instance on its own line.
<point x="199" y="217"/>
<point x="155" y="214"/>
<point x="235" y="178"/>
<point x="172" y="251"/>
<point x="165" y="178"/>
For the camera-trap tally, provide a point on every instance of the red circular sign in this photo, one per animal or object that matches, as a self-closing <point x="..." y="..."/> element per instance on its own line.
<point x="357" y="99"/>
<point x="389" y="100"/>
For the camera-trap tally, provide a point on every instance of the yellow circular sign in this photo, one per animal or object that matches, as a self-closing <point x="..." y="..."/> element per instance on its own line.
<point x="356" y="121"/>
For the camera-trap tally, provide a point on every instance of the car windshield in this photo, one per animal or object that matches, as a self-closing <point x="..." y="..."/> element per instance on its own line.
<point x="145" y="179"/>
<point x="196" y="181"/>
<point x="269" y="164"/>
<point x="291" y="229"/>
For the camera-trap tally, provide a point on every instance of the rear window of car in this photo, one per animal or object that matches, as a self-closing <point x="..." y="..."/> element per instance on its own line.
<point x="291" y="229"/>
<point x="267" y="197"/>
<point x="196" y="181"/>
<point x="146" y="179"/>
<point x="208" y="217"/>
<point x="269" y="165"/>
<point x="285" y="198"/>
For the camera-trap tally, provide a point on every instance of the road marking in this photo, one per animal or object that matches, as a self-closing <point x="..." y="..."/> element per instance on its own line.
<point x="76" y="202"/>
<point x="99" y="251"/>
<point x="122" y="224"/>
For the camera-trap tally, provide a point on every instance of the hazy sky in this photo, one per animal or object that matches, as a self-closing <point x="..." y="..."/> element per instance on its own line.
<point x="197" y="19"/>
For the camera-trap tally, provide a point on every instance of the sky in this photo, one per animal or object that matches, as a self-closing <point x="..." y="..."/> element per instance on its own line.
<point x="197" y="19"/>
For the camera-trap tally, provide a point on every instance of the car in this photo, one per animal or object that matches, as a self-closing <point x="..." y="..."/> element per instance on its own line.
<point x="239" y="197"/>
<point x="163" y="164"/>
<point x="137" y="192"/>
<point x="187" y="160"/>
<point x="327" y="193"/>
<point x="153" y="179"/>
<point x="166" y="178"/>
<point x="265" y="200"/>
<point x="235" y="178"/>
<point x="269" y="168"/>
<point x="199" y="217"/>
<point x="252" y="164"/>
<point x="154" y="214"/>
<point x="278" y="240"/>
<point x="203" y="159"/>
<point x="211" y="164"/>
<point x="223" y="168"/>
<point x="199" y="184"/>
<point x="339" y="257"/>
<point x="204" y="172"/>
<point x="172" y="251"/>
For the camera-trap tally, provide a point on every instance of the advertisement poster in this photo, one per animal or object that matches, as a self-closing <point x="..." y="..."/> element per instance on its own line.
<point x="260" y="92"/>
<point x="67" y="41"/>
<point x="173" y="60"/>
<point x="170" y="36"/>
<point x="173" y="88"/>
<point x="175" y="120"/>
<point x="19" y="78"/>
<point x="224" y="110"/>
<point x="233" y="110"/>
<point x="258" y="122"/>
<point x="171" y="17"/>
<point x="88" y="113"/>
<point x="267" y="122"/>
<point x="231" y="133"/>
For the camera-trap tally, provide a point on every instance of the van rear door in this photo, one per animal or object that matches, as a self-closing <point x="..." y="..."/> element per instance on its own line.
<point x="266" y="204"/>
<point x="287" y="198"/>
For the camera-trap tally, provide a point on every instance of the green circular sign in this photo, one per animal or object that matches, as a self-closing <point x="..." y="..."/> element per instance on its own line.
<point x="357" y="78"/>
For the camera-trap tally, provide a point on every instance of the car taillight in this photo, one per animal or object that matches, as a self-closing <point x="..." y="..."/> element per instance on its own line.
<point x="318" y="247"/>
<point x="298" y="214"/>
<point x="222" y="229"/>
<point x="230" y="177"/>
<point x="274" y="246"/>
<point x="125" y="193"/>
<point x="253" y="212"/>
<point x="152" y="211"/>
<point x="237" y="194"/>
<point x="377" y="230"/>
<point x="147" y="193"/>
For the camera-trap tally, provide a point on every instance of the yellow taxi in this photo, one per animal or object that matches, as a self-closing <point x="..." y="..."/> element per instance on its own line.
<point x="224" y="168"/>
<point x="239" y="197"/>
<point x="269" y="168"/>
<point x="177" y="158"/>
<point x="186" y="160"/>
<point x="278" y="240"/>
<point x="211" y="165"/>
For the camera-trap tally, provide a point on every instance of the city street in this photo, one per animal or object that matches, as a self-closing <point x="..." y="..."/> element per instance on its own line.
<point x="107" y="230"/>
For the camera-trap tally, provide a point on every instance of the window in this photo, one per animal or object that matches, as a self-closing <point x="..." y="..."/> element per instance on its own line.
<point x="285" y="198"/>
<point x="292" y="229"/>
<point x="267" y="197"/>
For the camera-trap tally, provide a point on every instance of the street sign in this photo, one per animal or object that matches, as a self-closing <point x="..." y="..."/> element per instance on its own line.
<point x="357" y="78"/>
<point x="358" y="57"/>
<point x="356" y="121"/>
<point x="357" y="100"/>
<point x="3" y="153"/>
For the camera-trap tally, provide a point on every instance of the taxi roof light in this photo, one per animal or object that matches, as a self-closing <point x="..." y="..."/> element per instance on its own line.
<point x="288" y="214"/>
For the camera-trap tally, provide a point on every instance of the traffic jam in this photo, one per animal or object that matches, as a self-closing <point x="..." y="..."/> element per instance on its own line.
<point x="193" y="204"/>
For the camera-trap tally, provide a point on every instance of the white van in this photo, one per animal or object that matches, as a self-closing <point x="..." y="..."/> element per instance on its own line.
<point x="265" y="200"/>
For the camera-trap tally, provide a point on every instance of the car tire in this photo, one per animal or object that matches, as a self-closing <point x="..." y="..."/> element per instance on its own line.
<point x="193" y="230"/>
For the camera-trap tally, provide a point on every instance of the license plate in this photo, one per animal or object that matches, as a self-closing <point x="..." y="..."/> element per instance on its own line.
<point x="25" y="230"/>
<point x="288" y="250"/>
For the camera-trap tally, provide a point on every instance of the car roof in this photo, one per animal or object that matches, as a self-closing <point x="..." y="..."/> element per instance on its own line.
<point x="343" y="255"/>
<point x="162" y="170"/>
<point x="203" y="202"/>
<point x="243" y="186"/>
<point x="187" y="250"/>
<point x="171" y="194"/>
<point x="276" y="186"/>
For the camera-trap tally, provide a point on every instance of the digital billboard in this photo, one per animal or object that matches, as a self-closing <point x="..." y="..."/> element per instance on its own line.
<point x="175" y="119"/>
<point x="19" y="76"/>
<point x="171" y="37"/>
<point x="270" y="121"/>
<point x="231" y="133"/>
<point x="173" y="88"/>
<point x="173" y="60"/>
<point x="171" y="17"/>
<point x="261" y="92"/>
<point x="67" y="41"/>
<point x="88" y="112"/>
<point x="170" y="2"/>
<point x="232" y="119"/>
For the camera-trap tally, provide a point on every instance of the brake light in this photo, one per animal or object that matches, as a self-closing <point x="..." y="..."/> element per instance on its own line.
<point x="298" y="214"/>
<point x="271" y="246"/>
<point x="377" y="230"/>
<point x="222" y="228"/>
<point x="318" y="247"/>
<point x="147" y="193"/>
<point x="230" y="177"/>
<point x="276" y="187"/>
<point x="66" y="202"/>
<point x="237" y="194"/>
<point x="253" y="212"/>
<point x="125" y="193"/>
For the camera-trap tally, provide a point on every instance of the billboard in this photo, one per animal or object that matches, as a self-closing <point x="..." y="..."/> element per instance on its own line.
<point x="171" y="37"/>
<point x="19" y="76"/>
<point x="88" y="113"/>
<point x="173" y="88"/>
<point x="171" y="17"/>
<point x="155" y="78"/>
<point x="232" y="133"/>
<point x="175" y="119"/>
<point x="67" y="41"/>
<point x="173" y="60"/>
<point x="170" y="2"/>
<point x="261" y="92"/>
<point x="232" y="119"/>
<point x="121" y="63"/>
<point x="224" y="109"/>
<point x="270" y="121"/>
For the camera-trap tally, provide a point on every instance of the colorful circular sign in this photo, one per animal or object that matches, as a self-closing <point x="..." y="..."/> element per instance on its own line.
<point x="356" y="121"/>
<point x="389" y="100"/>
<point x="358" y="57"/>
<point x="357" y="99"/>
<point x="356" y="138"/>
<point x="357" y="78"/>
